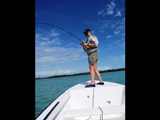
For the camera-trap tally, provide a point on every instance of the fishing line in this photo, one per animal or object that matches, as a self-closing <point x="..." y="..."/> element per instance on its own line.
<point x="61" y="29"/>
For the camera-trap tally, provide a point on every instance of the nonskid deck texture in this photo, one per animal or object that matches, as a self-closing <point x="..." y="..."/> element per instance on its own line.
<point x="103" y="102"/>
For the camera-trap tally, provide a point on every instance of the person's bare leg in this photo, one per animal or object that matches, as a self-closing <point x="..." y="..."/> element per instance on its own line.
<point x="97" y="73"/>
<point x="92" y="73"/>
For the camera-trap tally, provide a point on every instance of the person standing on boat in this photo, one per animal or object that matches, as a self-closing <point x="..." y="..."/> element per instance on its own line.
<point x="91" y="48"/>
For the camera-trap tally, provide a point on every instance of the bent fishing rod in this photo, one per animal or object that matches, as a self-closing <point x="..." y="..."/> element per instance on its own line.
<point x="61" y="29"/>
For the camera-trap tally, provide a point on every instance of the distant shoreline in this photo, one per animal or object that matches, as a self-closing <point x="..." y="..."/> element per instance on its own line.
<point x="64" y="75"/>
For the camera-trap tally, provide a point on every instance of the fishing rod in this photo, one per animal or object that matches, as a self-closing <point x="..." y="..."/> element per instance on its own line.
<point x="61" y="29"/>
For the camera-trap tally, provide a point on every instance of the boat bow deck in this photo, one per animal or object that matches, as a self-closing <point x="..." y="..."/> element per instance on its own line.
<point x="80" y="103"/>
<point x="96" y="101"/>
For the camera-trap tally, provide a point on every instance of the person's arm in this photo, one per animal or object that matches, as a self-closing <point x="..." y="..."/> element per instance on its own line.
<point x="84" y="48"/>
<point x="91" y="45"/>
<point x="94" y="43"/>
<point x="84" y="44"/>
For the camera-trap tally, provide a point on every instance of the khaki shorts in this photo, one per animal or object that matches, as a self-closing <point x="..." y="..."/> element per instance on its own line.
<point x="93" y="58"/>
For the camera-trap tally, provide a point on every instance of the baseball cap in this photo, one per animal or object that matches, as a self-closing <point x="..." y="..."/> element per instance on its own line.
<point x="86" y="31"/>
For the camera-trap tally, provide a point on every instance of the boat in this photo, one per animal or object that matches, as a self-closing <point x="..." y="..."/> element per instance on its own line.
<point x="103" y="102"/>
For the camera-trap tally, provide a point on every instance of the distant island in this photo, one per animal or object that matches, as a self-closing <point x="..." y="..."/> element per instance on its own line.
<point x="64" y="75"/>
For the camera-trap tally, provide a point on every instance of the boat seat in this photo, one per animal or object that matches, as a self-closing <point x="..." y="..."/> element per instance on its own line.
<point x="94" y="111"/>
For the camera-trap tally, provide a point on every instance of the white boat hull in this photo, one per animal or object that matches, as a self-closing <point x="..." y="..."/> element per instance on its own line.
<point x="103" y="102"/>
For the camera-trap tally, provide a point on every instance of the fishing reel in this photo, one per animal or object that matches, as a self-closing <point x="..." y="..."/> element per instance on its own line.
<point x="82" y="42"/>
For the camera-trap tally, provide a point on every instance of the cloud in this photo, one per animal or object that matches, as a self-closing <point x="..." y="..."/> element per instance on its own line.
<point x="108" y="36"/>
<point x="105" y="24"/>
<point x="101" y="13"/>
<point x="51" y="73"/>
<point x="47" y="38"/>
<point x="66" y="71"/>
<point x="104" y="68"/>
<point x="58" y="55"/>
<point x="116" y="32"/>
<point x="116" y="27"/>
<point x="51" y="51"/>
<point x="118" y="13"/>
<point x="117" y="58"/>
<point x="48" y="58"/>
<point x="109" y="10"/>
<point x="120" y="43"/>
<point x="112" y="9"/>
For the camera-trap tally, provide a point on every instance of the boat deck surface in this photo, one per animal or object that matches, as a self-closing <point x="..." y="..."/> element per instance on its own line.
<point x="103" y="102"/>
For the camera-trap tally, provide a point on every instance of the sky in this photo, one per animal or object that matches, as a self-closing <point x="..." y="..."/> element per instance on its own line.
<point x="58" y="52"/>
